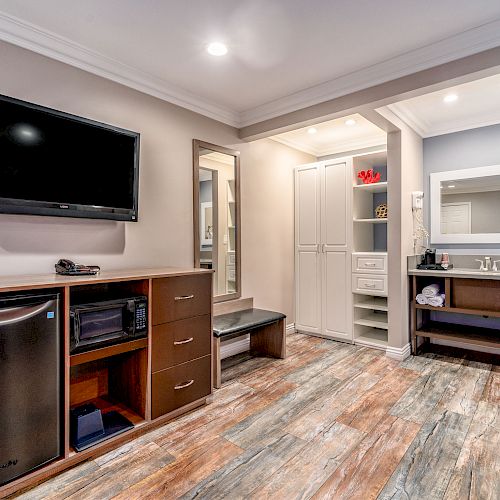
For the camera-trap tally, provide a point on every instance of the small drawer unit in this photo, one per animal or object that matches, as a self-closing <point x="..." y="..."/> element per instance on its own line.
<point x="181" y="345"/>
<point x="369" y="262"/>
<point x="369" y="284"/>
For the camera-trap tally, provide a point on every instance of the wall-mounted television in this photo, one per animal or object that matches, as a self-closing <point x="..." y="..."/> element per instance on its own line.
<point x="54" y="163"/>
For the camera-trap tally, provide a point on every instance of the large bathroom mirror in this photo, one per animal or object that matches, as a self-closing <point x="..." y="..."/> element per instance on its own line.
<point x="465" y="205"/>
<point x="216" y="195"/>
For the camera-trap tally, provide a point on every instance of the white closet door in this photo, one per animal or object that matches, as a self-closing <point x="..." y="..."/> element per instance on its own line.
<point x="307" y="257"/>
<point x="335" y="206"/>
<point x="336" y="295"/>
<point x="335" y="250"/>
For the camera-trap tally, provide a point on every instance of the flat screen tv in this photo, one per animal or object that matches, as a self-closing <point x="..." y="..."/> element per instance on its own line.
<point x="54" y="163"/>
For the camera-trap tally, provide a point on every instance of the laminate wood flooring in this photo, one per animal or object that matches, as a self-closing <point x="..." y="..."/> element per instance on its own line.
<point x="332" y="421"/>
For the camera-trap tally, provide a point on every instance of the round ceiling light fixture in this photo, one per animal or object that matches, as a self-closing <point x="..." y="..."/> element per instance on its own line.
<point x="312" y="130"/>
<point x="350" y="122"/>
<point x="450" y="98"/>
<point x="217" y="49"/>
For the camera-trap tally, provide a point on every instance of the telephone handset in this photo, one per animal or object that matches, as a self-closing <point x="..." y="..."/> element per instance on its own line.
<point x="69" y="268"/>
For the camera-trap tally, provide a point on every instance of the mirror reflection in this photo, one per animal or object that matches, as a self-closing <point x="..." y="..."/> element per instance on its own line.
<point x="217" y="217"/>
<point x="468" y="205"/>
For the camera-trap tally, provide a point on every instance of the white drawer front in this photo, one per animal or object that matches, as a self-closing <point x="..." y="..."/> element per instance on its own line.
<point x="369" y="284"/>
<point x="231" y="274"/>
<point x="369" y="263"/>
<point x="230" y="258"/>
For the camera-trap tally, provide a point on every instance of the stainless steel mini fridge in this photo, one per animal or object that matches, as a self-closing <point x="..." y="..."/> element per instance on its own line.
<point x="30" y="383"/>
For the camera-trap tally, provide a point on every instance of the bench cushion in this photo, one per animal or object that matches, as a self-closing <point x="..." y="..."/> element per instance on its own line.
<point x="242" y="321"/>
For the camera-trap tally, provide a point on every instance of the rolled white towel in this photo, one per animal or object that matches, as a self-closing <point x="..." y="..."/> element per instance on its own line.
<point x="431" y="290"/>
<point x="421" y="299"/>
<point x="437" y="301"/>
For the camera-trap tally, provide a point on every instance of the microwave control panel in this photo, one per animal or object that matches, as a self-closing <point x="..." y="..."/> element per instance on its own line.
<point x="141" y="312"/>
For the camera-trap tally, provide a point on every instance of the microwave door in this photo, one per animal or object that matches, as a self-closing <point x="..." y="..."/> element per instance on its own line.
<point x="100" y="324"/>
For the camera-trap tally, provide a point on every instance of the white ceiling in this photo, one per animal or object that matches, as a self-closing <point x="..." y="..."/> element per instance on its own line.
<point x="283" y="55"/>
<point x="335" y="136"/>
<point x="478" y="105"/>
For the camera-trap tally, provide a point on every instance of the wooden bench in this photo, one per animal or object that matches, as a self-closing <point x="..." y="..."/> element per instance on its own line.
<point x="266" y="329"/>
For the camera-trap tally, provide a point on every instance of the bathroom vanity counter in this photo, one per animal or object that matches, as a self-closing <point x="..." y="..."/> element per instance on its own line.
<point x="457" y="273"/>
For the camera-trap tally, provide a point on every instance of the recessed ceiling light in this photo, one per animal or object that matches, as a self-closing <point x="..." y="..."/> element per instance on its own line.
<point x="451" y="186"/>
<point x="217" y="49"/>
<point x="450" y="98"/>
<point x="350" y="122"/>
<point x="311" y="130"/>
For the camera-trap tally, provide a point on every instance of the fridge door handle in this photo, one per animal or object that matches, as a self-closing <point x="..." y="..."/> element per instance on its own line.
<point x="12" y="315"/>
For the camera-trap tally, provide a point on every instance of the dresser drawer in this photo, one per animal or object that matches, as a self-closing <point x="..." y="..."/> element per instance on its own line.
<point x="369" y="284"/>
<point x="180" y="385"/>
<point x="181" y="297"/>
<point x="369" y="263"/>
<point x="180" y="341"/>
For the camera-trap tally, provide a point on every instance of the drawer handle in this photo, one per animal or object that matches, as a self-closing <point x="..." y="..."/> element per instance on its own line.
<point x="370" y="264"/>
<point x="185" y="341"/>
<point x="184" y="297"/>
<point x="369" y="285"/>
<point x="183" y="386"/>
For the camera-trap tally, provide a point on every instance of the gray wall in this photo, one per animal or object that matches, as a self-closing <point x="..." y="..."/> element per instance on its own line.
<point x="478" y="147"/>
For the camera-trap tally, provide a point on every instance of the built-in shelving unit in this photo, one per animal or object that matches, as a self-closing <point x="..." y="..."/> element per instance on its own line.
<point x="370" y="304"/>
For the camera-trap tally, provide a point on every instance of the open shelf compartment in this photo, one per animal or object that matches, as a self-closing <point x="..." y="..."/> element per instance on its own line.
<point x="116" y="383"/>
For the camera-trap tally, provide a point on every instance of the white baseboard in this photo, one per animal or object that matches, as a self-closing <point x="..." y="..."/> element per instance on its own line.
<point x="228" y="349"/>
<point x="238" y="346"/>
<point x="399" y="353"/>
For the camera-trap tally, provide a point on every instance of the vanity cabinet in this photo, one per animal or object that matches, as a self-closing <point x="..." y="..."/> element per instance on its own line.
<point x="322" y="248"/>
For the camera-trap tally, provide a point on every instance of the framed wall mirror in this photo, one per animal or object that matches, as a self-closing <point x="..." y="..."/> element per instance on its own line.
<point x="465" y="205"/>
<point x="216" y="216"/>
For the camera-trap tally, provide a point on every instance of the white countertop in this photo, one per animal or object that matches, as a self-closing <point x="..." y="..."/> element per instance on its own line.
<point x="457" y="273"/>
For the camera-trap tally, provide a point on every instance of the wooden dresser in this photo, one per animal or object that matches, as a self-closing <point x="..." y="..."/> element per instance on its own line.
<point x="149" y="380"/>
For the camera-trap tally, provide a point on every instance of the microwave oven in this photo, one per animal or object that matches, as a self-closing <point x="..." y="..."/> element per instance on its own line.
<point x="106" y="323"/>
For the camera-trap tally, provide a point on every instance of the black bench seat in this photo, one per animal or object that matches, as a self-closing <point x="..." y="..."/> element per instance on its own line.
<point x="244" y="321"/>
<point x="266" y="329"/>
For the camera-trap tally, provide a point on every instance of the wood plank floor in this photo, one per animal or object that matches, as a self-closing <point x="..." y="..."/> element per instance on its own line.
<point x="332" y="421"/>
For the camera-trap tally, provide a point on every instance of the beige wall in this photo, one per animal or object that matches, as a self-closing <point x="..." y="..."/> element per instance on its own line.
<point x="267" y="218"/>
<point x="164" y="234"/>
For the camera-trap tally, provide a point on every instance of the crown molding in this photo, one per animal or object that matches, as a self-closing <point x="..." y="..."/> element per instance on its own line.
<point x="29" y="36"/>
<point x="472" y="41"/>
<point x="337" y="147"/>
<point x="426" y="129"/>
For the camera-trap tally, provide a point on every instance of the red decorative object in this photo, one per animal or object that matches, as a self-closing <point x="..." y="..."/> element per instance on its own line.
<point x="368" y="177"/>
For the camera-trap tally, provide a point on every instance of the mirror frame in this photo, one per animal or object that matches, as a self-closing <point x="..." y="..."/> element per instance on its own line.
<point x="197" y="146"/>
<point x="435" y="205"/>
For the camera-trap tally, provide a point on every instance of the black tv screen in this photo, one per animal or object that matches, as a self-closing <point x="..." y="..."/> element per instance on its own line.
<point x="54" y="163"/>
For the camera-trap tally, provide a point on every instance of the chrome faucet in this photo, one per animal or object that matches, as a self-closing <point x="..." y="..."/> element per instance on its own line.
<point x="486" y="265"/>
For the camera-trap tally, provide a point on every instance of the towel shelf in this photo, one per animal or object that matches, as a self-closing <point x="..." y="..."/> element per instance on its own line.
<point x="477" y="299"/>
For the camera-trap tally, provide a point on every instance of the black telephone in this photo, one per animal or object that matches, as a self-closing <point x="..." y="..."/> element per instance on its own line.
<point x="69" y="268"/>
